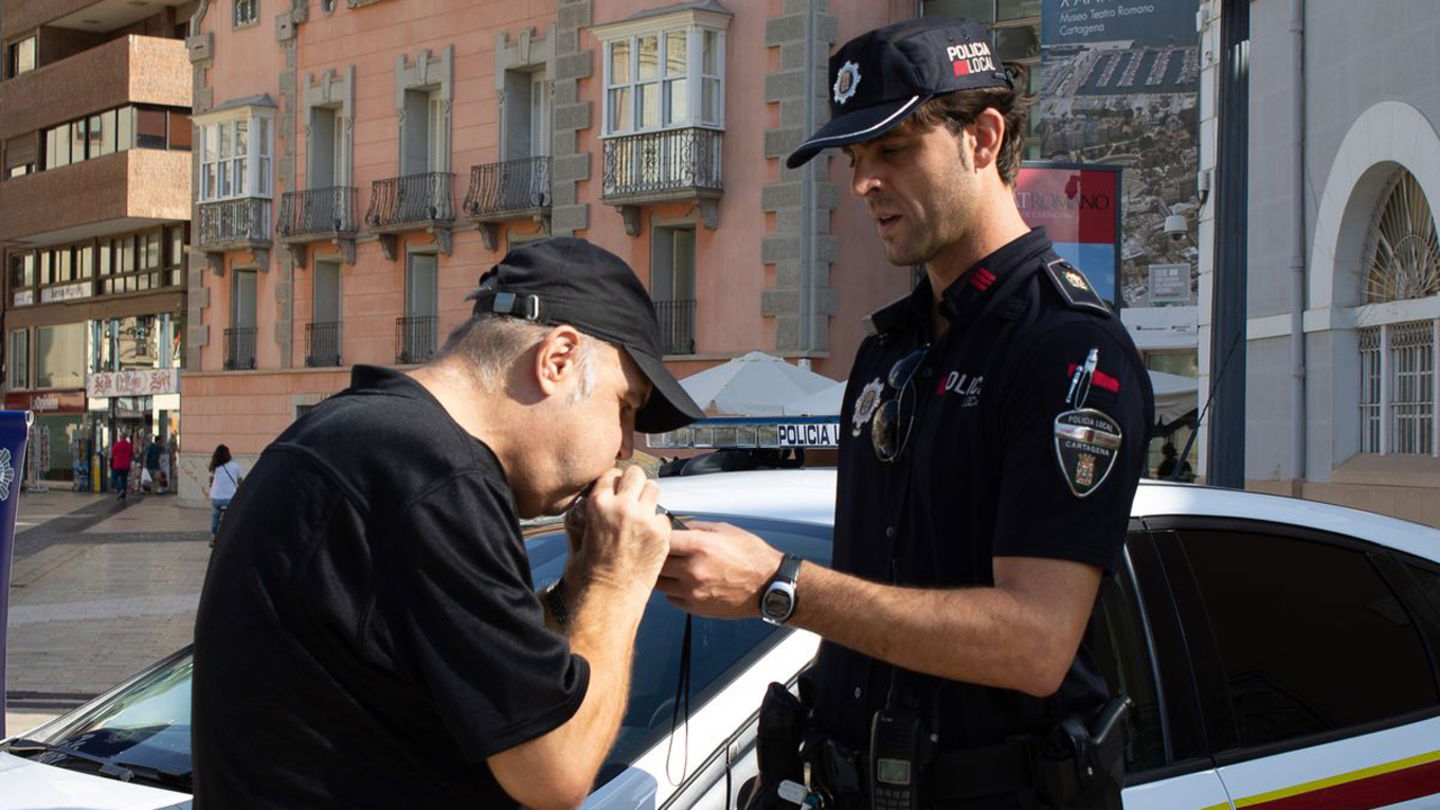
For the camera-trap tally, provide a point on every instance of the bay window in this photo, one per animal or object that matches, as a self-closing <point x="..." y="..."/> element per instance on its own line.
<point x="664" y="76"/>
<point x="235" y="159"/>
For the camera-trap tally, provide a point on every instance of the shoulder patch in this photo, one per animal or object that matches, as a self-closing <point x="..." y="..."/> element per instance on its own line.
<point x="888" y="318"/>
<point x="1074" y="288"/>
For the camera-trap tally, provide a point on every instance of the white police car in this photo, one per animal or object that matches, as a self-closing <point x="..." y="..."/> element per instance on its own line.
<point x="1281" y="654"/>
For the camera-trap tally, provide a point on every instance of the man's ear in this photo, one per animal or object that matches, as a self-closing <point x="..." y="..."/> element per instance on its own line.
<point x="989" y="131"/>
<point x="557" y="358"/>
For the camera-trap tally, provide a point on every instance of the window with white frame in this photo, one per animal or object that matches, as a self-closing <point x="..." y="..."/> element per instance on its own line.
<point x="1398" y="383"/>
<point x="235" y="159"/>
<point x="246" y="12"/>
<point x="668" y="77"/>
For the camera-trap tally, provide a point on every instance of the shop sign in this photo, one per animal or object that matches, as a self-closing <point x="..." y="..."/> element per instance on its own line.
<point x="47" y="402"/>
<point x="69" y="292"/>
<point x="142" y="382"/>
<point x="24" y="298"/>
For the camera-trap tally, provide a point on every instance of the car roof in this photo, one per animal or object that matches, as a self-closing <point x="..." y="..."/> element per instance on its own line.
<point x="808" y="496"/>
<point x="804" y="496"/>
<point x="1161" y="498"/>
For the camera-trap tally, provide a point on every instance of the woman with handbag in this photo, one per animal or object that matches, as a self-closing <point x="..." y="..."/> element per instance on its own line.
<point x="225" y="478"/>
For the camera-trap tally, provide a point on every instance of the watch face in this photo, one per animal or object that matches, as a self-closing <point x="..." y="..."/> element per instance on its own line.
<point x="776" y="604"/>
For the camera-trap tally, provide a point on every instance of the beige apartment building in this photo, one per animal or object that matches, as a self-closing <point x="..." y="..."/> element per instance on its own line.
<point x="95" y="141"/>
<point x="358" y="165"/>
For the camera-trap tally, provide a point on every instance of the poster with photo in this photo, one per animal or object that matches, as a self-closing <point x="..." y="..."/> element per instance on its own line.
<point x="1120" y="87"/>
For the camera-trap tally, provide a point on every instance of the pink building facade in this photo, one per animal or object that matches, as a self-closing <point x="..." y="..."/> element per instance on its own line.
<point x="359" y="165"/>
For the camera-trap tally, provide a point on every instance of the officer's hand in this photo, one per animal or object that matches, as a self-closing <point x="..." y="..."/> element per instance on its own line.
<point x="718" y="570"/>
<point x="625" y="541"/>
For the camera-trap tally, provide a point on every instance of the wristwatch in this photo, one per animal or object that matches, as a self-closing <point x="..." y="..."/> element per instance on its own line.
<point x="777" y="601"/>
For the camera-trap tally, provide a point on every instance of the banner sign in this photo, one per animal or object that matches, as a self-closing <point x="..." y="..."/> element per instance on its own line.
<point x="1121" y="87"/>
<point x="748" y="432"/>
<point x="1079" y="207"/>
<point x="14" y="431"/>
<point x="133" y="383"/>
<point x="46" y="401"/>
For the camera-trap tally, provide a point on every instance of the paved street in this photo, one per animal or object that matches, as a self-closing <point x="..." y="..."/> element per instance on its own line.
<point x="99" y="590"/>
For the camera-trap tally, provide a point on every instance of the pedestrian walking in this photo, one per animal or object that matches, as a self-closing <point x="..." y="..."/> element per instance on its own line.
<point x="122" y="454"/>
<point x="994" y="434"/>
<point x="225" y="478"/>
<point x="153" y="451"/>
<point x="370" y="602"/>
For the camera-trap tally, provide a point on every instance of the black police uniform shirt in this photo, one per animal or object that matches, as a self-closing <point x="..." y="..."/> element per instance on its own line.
<point x="368" y="632"/>
<point x="979" y="476"/>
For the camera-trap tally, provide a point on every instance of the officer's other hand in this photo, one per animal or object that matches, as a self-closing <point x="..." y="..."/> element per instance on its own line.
<point x="625" y="541"/>
<point x="719" y="570"/>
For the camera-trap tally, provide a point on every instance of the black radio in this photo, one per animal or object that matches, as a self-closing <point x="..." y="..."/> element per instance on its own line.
<point x="899" y="752"/>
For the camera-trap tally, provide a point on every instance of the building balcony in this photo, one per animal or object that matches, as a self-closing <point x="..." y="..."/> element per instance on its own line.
<point x="414" y="339"/>
<point x="121" y="191"/>
<point x="659" y="167"/>
<point x="501" y="192"/>
<point x="318" y="215"/>
<point x="240" y="348"/>
<point x="322" y="345"/>
<point x="677" y="325"/>
<point x="128" y="70"/>
<point x="235" y="225"/>
<point x="415" y="202"/>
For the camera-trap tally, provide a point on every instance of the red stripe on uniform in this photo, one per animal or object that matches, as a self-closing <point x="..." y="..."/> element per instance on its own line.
<point x="1364" y="794"/>
<point x="981" y="279"/>
<point x="1100" y="378"/>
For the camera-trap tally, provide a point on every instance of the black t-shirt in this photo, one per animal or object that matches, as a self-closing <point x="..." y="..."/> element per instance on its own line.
<point x="980" y="475"/>
<point x="368" y="633"/>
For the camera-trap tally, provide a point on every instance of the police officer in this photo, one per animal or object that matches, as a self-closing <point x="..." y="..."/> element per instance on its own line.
<point x="993" y="434"/>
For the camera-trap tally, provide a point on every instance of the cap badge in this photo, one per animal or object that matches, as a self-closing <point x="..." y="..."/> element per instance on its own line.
<point x="846" y="80"/>
<point x="865" y="406"/>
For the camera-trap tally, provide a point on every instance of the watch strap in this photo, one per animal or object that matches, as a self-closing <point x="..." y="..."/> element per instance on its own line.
<point x="789" y="570"/>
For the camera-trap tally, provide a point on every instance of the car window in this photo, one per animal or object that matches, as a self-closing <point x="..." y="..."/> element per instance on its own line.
<point x="1123" y="654"/>
<point x="1311" y="638"/>
<point x="144" y="725"/>
<point x="718" y="646"/>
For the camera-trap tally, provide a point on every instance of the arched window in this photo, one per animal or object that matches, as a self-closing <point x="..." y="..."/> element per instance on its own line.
<point x="1398" y="384"/>
<point x="1402" y="255"/>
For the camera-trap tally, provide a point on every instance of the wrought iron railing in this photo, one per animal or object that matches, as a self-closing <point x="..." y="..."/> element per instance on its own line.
<point x="515" y="185"/>
<point x="240" y="348"/>
<point x="242" y="221"/>
<point x="656" y="162"/>
<point x="412" y="199"/>
<point x="322" y="344"/>
<point x="414" y="339"/>
<point x="677" y="325"/>
<point x="317" y="211"/>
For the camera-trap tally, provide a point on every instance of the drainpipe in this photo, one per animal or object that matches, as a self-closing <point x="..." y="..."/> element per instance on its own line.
<point x="807" y="195"/>
<point x="1297" y="253"/>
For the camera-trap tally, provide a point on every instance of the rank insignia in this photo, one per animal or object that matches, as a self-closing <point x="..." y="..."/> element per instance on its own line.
<point x="865" y="406"/>
<point x="1074" y="287"/>
<point x="1087" y="443"/>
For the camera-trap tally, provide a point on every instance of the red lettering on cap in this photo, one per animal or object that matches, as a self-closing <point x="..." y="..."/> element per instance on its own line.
<point x="962" y="67"/>
<point x="1100" y="378"/>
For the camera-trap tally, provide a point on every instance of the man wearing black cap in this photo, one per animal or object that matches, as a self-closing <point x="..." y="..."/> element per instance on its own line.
<point x="368" y="635"/>
<point x="993" y="436"/>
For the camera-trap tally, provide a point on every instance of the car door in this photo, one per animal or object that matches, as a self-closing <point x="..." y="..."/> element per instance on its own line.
<point x="1315" y="662"/>
<point x="1140" y="649"/>
<point x="699" y="756"/>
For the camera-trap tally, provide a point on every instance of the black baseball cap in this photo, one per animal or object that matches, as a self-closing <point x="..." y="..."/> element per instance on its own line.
<point x="880" y="77"/>
<point x="564" y="280"/>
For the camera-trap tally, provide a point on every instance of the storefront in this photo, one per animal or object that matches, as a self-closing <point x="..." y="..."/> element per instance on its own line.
<point x="58" y="449"/>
